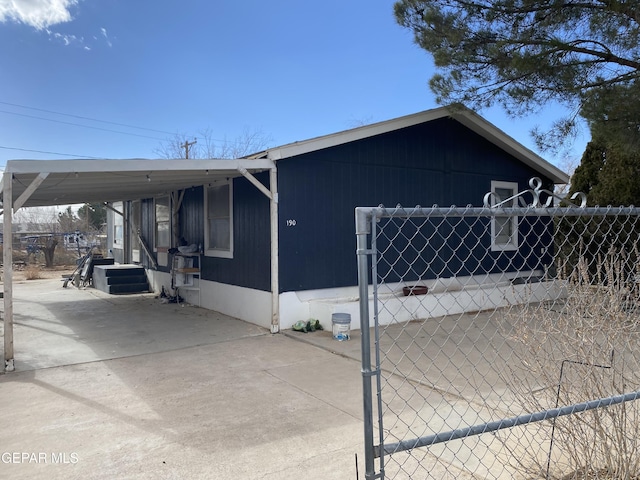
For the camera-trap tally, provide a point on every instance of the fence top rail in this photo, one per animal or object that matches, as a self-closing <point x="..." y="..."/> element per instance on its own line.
<point x="470" y="211"/>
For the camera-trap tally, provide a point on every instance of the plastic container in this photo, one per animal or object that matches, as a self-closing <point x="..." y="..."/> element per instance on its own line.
<point x="341" y="326"/>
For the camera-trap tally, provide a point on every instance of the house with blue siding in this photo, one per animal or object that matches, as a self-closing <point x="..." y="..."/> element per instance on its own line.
<point x="276" y="244"/>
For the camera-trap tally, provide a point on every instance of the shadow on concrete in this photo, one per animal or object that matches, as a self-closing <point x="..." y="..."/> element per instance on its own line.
<point x="56" y="326"/>
<point x="151" y="390"/>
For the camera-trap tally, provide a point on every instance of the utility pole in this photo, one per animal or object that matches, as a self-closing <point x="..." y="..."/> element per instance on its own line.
<point x="186" y="147"/>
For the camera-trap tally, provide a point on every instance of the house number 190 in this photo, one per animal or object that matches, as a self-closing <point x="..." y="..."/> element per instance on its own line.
<point x="291" y="223"/>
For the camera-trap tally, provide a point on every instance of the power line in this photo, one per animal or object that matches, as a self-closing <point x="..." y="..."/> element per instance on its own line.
<point x="174" y="135"/>
<point x="50" y="153"/>
<point x="80" y="125"/>
<point x="86" y="118"/>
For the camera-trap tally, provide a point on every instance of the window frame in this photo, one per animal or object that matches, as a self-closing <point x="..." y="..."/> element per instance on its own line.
<point x="514" y="242"/>
<point x="218" y="252"/>
<point x="156" y="246"/>
<point x="135" y="209"/>
<point x="118" y="225"/>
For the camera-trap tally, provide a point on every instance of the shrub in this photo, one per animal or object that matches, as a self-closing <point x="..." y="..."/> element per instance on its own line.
<point x="583" y="347"/>
<point x="32" y="272"/>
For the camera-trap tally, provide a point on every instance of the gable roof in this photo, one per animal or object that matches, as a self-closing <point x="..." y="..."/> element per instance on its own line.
<point x="465" y="116"/>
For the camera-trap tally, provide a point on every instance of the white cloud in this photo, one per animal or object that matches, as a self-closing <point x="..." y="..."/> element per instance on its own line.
<point x="66" y="39"/>
<point x="104" y="34"/>
<point x="39" y="14"/>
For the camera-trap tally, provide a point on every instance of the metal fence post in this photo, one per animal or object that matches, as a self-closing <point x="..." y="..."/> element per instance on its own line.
<point x="362" y="230"/>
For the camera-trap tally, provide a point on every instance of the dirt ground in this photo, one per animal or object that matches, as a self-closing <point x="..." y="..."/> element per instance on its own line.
<point x="26" y="267"/>
<point x="22" y="272"/>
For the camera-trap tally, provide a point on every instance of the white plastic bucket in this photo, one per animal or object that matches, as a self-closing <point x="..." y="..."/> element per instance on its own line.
<point x="341" y="326"/>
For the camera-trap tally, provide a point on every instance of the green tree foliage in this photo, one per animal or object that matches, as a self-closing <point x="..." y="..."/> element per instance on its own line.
<point x="523" y="54"/>
<point x="93" y="216"/>
<point x="613" y="114"/>
<point x="608" y="174"/>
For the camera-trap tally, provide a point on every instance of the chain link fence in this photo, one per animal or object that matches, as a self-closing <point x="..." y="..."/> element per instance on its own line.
<point x="502" y="341"/>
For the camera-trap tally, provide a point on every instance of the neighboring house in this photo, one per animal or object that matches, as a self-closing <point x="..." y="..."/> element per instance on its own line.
<point x="444" y="157"/>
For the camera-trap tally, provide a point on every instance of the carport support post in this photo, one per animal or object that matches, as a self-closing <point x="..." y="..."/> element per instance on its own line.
<point x="275" y="284"/>
<point x="272" y="195"/>
<point x="7" y="260"/>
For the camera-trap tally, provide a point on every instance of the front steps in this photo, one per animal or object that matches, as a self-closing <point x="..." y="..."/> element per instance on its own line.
<point x="119" y="279"/>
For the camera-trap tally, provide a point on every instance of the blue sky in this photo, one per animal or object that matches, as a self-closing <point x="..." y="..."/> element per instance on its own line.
<point x="290" y="69"/>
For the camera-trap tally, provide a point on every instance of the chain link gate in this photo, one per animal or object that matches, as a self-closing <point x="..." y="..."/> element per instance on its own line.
<point x="502" y="341"/>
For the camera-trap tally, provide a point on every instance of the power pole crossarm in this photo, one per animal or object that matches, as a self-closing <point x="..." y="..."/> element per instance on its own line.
<point x="186" y="147"/>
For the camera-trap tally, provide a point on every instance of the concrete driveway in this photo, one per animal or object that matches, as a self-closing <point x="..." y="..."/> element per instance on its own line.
<point x="126" y="387"/>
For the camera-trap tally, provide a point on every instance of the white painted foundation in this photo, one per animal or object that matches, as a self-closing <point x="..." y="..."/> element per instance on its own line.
<point x="250" y="305"/>
<point x="253" y="306"/>
<point x="451" y="296"/>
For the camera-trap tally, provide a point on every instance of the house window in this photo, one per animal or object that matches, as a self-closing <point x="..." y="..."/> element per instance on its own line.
<point x="163" y="223"/>
<point x="118" y="226"/>
<point x="219" y="220"/>
<point x="504" y="229"/>
<point x="135" y="228"/>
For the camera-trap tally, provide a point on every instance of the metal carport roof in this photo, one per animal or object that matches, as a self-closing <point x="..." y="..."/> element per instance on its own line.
<point x="30" y="183"/>
<point x="89" y="181"/>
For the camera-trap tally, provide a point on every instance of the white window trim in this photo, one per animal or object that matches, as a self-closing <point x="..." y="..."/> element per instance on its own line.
<point x="118" y="225"/>
<point x="513" y="242"/>
<point x="155" y="225"/>
<point x="214" y="252"/>
<point x="136" y="253"/>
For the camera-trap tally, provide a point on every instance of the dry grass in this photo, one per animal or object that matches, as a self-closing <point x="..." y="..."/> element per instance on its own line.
<point x="584" y="350"/>
<point x="32" y="272"/>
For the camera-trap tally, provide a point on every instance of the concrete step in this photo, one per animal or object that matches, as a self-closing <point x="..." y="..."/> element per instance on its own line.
<point x="120" y="270"/>
<point x="127" y="288"/>
<point x="126" y="279"/>
<point x="118" y="279"/>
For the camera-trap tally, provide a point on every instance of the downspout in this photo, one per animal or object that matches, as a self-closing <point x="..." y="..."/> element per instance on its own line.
<point x="272" y="194"/>
<point x="7" y="258"/>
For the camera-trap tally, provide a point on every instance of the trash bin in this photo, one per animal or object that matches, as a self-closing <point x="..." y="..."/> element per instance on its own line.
<point x="341" y="326"/>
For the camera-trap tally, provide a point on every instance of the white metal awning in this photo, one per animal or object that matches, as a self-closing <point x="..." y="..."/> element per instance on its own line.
<point x="62" y="182"/>
<point x="32" y="183"/>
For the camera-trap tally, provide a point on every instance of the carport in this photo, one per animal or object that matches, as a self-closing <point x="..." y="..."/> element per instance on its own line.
<point x="34" y="183"/>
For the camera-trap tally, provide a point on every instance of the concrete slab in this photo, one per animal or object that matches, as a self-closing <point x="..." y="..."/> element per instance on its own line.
<point x="56" y="326"/>
<point x="236" y="409"/>
<point x="440" y="351"/>
<point x="126" y="387"/>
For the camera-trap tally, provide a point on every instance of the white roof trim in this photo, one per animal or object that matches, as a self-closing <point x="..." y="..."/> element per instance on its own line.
<point x="134" y="165"/>
<point x="463" y="115"/>
<point x="80" y="181"/>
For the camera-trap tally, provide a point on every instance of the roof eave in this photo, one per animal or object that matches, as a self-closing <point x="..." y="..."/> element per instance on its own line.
<point x="462" y="114"/>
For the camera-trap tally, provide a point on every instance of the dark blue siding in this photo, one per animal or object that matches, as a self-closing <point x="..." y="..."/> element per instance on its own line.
<point x="147" y="229"/>
<point x="440" y="162"/>
<point x="191" y="216"/>
<point x="250" y="266"/>
<point x="456" y="246"/>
